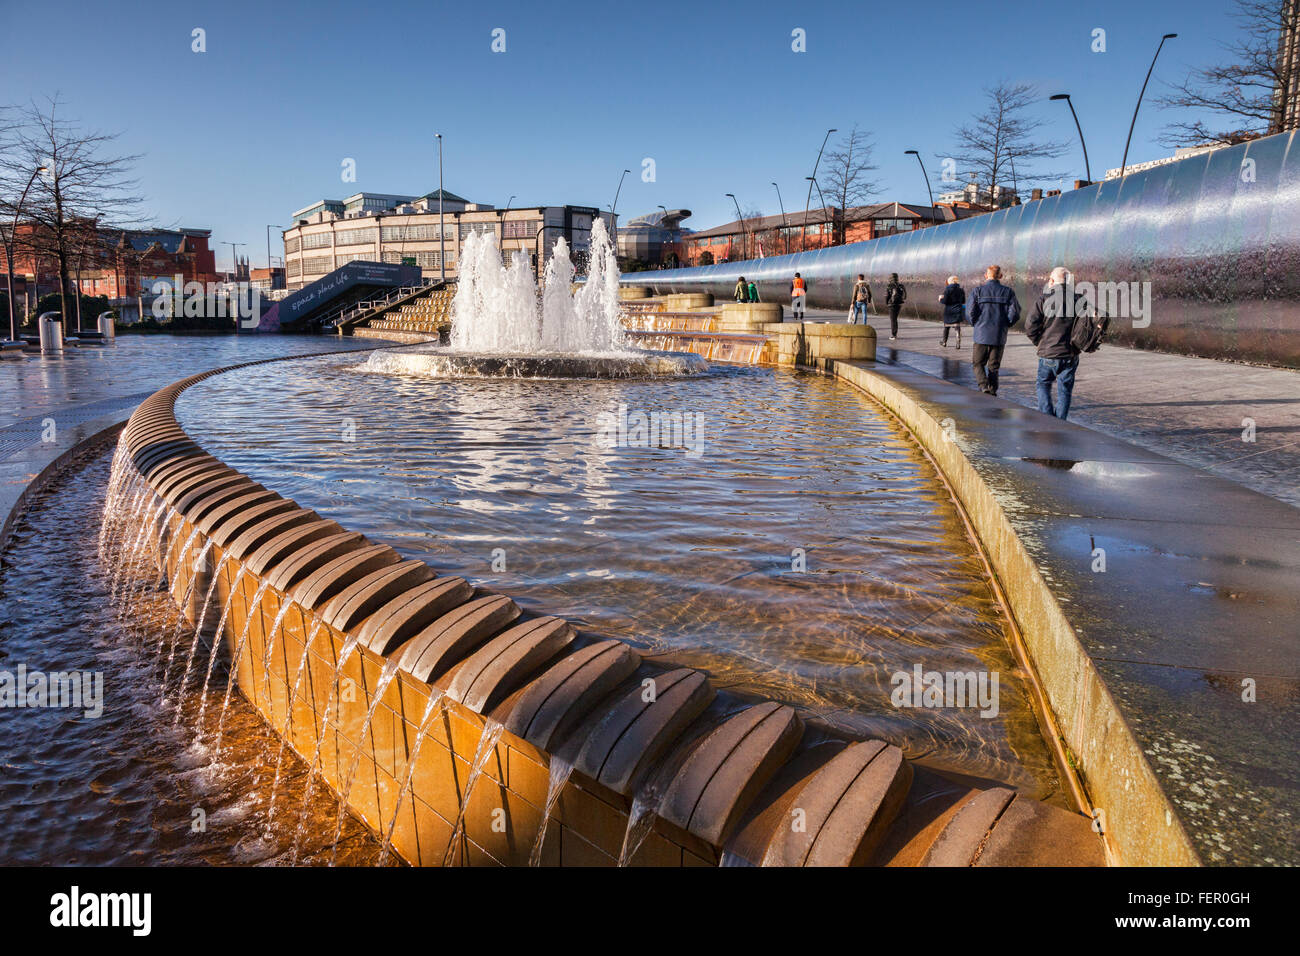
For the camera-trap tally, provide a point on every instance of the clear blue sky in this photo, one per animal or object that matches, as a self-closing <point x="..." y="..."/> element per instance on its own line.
<point x="257" y="127"/>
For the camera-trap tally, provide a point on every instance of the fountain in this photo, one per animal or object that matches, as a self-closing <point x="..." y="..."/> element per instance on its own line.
<point x="499" y="331"/>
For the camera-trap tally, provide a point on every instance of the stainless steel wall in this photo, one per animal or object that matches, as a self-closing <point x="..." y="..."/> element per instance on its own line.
<point x="1216" y="235"/>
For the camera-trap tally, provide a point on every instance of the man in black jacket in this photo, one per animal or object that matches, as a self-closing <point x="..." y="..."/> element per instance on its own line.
<point x="1049" y="327"/>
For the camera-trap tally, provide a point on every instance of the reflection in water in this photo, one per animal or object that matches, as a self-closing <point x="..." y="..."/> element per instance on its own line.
<point x="807" y="555"/>
<point x="134" y="786"/>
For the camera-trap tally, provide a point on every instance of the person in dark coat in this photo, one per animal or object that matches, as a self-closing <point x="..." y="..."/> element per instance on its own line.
<point x="992" y="310"/>
<point x="1049" y="326"/>
<point x="954" y="313"/>
<point x="895" y="296"/>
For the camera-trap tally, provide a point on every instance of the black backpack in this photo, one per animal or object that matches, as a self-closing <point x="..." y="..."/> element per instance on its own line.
<point x="1088" y="331"/>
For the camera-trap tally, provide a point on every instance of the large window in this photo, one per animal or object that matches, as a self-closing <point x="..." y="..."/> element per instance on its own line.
<point x="482" y="228"/>
<point x="316" y="240"/>
<point x="353" y="257"/>
<point x="295" y="267"/>
<point x="521" y="228"/>
<point x="425" y="260"/>
<point x="355" y="237"/>
<point x="291" y="245"/>
<point x="316" y="265"/>
<point x="408" y="233"/>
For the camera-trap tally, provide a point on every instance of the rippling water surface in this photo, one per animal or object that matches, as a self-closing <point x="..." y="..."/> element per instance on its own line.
<point x="143" y="783"/>
<point x="806" y="553"/>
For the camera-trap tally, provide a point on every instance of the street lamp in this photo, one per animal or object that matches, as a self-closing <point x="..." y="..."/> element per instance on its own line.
<point x="744" y="249"/>
<point x="269" y="227"/>
<point x="813" y="182"/>
<point x="1124" y="162"/>
<point x="1066" y="96"/>
<point x="785" y="226"/>
<point x="912" y="152"/>
<point x="13" y="241"/>
<point x="813" y="177"/>
<point x="613" y="211"/>
<point x="442" y="235"/>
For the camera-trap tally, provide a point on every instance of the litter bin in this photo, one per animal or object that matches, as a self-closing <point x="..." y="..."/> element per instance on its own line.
<point x="106" y="327"/>
<point x="50" y="325"/>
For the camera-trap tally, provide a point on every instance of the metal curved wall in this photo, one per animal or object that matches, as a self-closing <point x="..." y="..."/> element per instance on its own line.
<point x="1216" y="235"/>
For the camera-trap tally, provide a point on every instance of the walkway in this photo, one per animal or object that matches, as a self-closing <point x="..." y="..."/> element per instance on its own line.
<point x="1192" y="410"/>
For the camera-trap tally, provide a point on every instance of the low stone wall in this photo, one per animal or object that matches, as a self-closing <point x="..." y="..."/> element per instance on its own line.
<point x="368" y="639"/>
<point x="391" y="335"/>
<point x="808" y="343"/>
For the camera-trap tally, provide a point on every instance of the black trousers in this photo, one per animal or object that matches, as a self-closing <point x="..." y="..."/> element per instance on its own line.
<point x="987" y="359"/>
<point x="893" y="318"/>
<point x="947" y="328"/>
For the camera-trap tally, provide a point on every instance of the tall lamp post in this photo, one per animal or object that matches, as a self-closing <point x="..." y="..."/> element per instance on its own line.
<point x="813" y="178"/>
<point x="825" y="221"/>
<point x="269" y="227"/>
<point x="613" y="212"/>
<point x="912" y="152"/>
<point x="442" y="235"/>
<point x="13" y="242"/>
<point x="785" y="226"/>
<point x="1066" y="96"/>
<point x="744" y="249"/>
<point x="1124" y="162"/>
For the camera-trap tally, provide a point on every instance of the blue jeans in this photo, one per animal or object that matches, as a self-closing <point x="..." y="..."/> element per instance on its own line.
<point x="859" y="309"/>
<point x="1062" y="372"/>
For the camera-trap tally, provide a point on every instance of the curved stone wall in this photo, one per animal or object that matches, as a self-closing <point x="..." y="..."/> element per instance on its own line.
<point x="527" y="697"/>
<point x="1217" y="236"/>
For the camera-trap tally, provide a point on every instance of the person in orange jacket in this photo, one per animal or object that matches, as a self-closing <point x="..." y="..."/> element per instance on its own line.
<point x="798" y="290"/>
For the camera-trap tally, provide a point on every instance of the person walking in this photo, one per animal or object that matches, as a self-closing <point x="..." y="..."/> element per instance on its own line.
<point x="953" y="299"/>
<point x="798" y="290"/>
<point x="895" y="296"/>
<point x="993" y="309"/>
<point x="753" y="291"/>
<point x="742" y="290"/>
<point x="1050" y="326"/>
<point x="861" y="300"/>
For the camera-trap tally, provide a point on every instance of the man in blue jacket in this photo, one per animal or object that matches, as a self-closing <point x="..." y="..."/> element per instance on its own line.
<point x="993" y="309"/>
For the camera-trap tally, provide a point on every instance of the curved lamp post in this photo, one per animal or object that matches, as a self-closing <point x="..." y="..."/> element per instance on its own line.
<point x="442" y="236"/>
<point x="808" y="201"/>
<point x="785" y="226"/>
<point x="1124" y="162"/>
<point x="1066" y="96"/>
<point x="813" y="182"/>
<point x="744" y="250"/>
<point x="912" y="152"/>
<point x="13" y="241"/>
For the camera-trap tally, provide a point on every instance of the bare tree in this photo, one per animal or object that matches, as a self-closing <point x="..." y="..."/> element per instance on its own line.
<point x="1002" y="135"/>
<point x="82" y="186"/>
<point x="847" y="180"/>
<point x="1257" y="93"/>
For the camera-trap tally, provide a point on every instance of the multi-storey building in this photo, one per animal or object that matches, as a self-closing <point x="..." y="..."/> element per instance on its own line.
<point x="375" y="227"/>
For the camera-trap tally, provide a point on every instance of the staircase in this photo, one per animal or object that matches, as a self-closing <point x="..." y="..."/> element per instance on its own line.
<point x="422" y="317"/>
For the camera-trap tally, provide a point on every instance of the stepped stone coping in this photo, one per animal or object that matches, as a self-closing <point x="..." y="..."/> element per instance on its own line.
<point x="225" y="531"/>
<point x="848" y="806"/>
<point x="635" y="731"/>
<point x="1030" y="833"/>
<point x="367" y="594"/>
<point x="197" y="497"/>
<point x="497" y="668"/>
<point x="294" y="568"/>
<point x="959" y="843"/>
<point x="726" y="771"/>
<point x="410" y="612"/>
<point x="153" y="454"/>
<point x="333" y="576"/>
<point x="287" y="542"/>
<point x="177" y="472"/>
<point x="556" y="701"/>
<point x="258" y="534"/>
<point x="444" y="642"/>
<point x="254" y="494"/>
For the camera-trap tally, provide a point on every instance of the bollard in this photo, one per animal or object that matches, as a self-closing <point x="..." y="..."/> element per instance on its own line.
<point x="106" y="327"/>
<point x="50" y="325"/>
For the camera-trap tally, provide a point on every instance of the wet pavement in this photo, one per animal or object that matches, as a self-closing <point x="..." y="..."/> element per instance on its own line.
<point x="1196" y="411"/>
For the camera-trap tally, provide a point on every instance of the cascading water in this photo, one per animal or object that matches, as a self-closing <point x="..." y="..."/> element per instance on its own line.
<point x="486" y="747"/>
<point x="561" y="771"/>
<point x="437" y="700"/>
